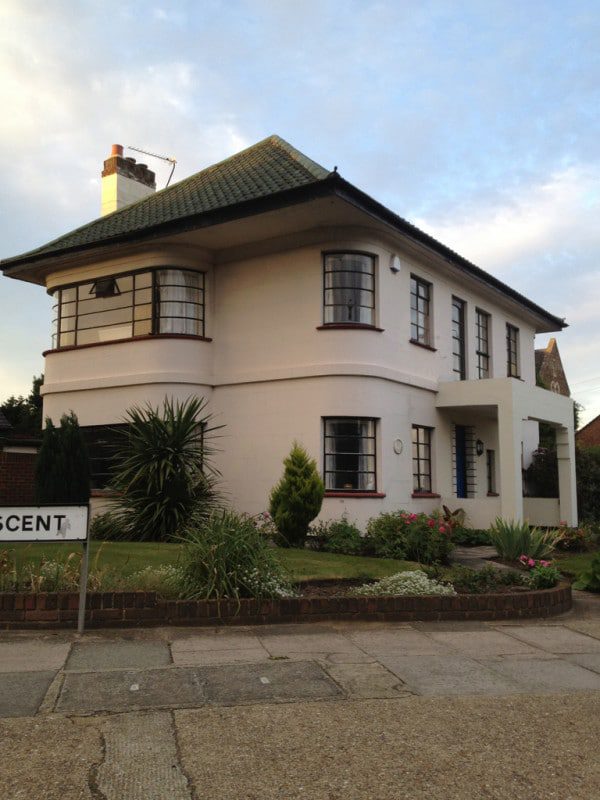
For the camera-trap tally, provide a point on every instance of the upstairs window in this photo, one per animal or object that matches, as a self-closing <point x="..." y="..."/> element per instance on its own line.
<point x="459" y="365"/>
<point x="512" y="351"/>
<point x="129" y="305"/>
<point x="348" y="289"/>
<point x="482" y="333"/>
<point x="420" y="311"/>
<point x="350" y="454"/>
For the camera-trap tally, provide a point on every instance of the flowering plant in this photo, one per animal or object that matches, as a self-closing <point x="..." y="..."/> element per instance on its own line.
<point x="531" y="563"/>
<point x="401" y="534"/>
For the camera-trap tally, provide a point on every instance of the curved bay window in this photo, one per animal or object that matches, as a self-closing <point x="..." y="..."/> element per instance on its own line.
<point x="350" y="454"/>
<point x="157" y="301"/>
<point x="348" y="289"/>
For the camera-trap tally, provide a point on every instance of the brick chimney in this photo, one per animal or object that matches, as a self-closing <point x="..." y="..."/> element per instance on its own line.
<point x="124" y="181"/>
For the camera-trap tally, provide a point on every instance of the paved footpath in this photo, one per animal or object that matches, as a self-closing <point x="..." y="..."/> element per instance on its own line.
<point x="323" y="711"/>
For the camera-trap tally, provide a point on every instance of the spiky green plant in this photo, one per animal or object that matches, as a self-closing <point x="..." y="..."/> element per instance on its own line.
<point x="514" y="539"/>
<point x="163" y="470"/>
<point x="297" y="498"/>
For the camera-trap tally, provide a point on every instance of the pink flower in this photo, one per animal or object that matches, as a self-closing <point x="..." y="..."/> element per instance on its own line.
<point x="531" y="562"/>
<point x="431" y="523"/>
<point x="412" y="517"/>
<point x="544" y="563"/>
<point x="523" y="559"/>
<point x="442" y="529"/>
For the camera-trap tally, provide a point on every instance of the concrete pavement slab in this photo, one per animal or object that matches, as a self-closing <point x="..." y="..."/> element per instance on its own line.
<point x="198" y="658"/>
<point x="115" y="654"/>
<point x="587" y="660"/>
<point x="447" y="675"/>
<point x="403" y="642"/>
<point x="282" y="644"/>
<point x="589" y="627"/>
<point x="554" y="638"/>
<point x="131" y="690"/>
<point x="32" y="655"/>
<point x="212" y="640"/>
<point x="270" y="682"/>
<point x="366" y="680"/>
<point x="21" y="693"/>
<point x="485" y="643"/>
<point x="414" y="748"/>
<point x="47" y="758"/>
<point x="546" y="675"/>
<point x="141" y="760"/>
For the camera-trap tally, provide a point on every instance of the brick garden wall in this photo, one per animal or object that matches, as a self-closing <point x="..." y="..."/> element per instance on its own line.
<point x="16" y="477"/>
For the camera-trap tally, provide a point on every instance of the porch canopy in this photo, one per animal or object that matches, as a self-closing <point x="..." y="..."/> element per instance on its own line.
<point x="512" y="401"/>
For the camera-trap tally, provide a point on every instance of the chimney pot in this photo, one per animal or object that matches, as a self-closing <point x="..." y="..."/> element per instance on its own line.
<point x="116" y="150"/>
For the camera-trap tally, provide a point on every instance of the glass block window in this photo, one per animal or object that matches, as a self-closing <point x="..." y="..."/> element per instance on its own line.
<point x="349" y="288"/>
<point x="421" y="457"/>
<point x="349" y="458"/>
<point x="420" y="308"/>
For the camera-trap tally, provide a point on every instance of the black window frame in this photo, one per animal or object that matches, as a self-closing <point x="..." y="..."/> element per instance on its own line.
<point x="422" y="464"/>
<point x="133" y="320"/>
<point x="459" y="338"/>
<point x="329" y="254"/>
<point x="482" y="343"/>
<point x="512" y="351"/>
<point x="490" y="471"/>
<point x="420" y="298"/>
<point x="328" y="454"/>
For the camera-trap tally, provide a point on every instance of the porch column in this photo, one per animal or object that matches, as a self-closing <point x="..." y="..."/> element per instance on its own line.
<point x="567" y="486"/>
<point x="509" y="446"/>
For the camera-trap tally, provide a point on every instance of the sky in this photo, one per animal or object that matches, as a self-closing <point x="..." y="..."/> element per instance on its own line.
<point x="477" y="120"/>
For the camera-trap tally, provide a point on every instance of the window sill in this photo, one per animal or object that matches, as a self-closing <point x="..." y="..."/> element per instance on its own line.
<point x="424" y="346"/>
<point x="361" y="495"/>
<point x="145" y="338"/>
<point x="424" y="495"/>
<point x="348" y="326"/>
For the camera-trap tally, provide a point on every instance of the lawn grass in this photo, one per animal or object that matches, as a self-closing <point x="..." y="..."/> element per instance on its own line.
<point x="128" y="557"/>
<point x="574" y="564"/>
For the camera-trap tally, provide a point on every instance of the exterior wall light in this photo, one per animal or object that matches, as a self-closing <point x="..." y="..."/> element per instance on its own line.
<point x="395" y="264"/>
<point x="479" y="447"/>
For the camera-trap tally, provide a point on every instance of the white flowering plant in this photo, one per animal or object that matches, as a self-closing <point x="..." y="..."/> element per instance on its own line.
<point x="410" y="583"/>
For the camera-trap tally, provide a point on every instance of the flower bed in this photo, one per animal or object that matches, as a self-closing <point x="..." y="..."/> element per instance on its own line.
<point x="127" y="609"/>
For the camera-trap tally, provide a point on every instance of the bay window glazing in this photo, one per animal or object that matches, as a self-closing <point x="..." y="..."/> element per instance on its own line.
<point x="132" y="304"/>
<point x="349" y="289"/>
<point x="350" y="454"/>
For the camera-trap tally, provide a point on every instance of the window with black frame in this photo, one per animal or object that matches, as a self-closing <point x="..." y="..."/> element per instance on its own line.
<point x="421" y="458"/>
<point x="482" y="333"/>
<point x="459" y="366"/>
<point x="348" y="289"/>
<point x="349" y="459"/>
<point x="420" y="308"/>
<point x="512" y="351"/>
<point x="128" y="305"/>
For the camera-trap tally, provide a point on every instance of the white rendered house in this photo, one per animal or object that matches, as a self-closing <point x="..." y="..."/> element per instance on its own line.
<point x="302" y="309"/>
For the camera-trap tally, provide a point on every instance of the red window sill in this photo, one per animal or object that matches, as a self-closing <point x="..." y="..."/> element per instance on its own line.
<point x="418" y="495"/>
<point x="354" y="494"/>
<point x="128" y="339"/>
<point x="424" y="346"/>
<point x="348" y="326"/>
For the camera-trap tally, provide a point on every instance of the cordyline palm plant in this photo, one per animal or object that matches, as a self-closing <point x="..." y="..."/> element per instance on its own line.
<point x="163" y="471"/>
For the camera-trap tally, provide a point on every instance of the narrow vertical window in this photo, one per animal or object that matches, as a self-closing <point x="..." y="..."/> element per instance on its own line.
<point x="490" y="458"/>
<point x="483" y="344"/>
<point x="459" y="365"/>
<point x="420" y="311"/>
<point x="348" y="289"/>
<point x="421" y="457"/>
<point x="349" y="462"/>
<point x="512" y="351"/>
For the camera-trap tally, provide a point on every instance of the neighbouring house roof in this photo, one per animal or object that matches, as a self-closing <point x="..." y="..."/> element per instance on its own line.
<point x="4" y="423"/>
<point x="589" y="435"/>
<point x="271" y="174"/>
<point x="549" y="369"/>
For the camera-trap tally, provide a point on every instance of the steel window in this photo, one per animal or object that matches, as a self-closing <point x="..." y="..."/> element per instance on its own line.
<point x="512" y="351"/>
<point x="490" y="462"/>
<point x="483" y="344"/>
<point x="349" y="454"/>
<point x="459" y="366"/>
<point x="421" y="457"/>
<point x="348" y="288"/>
<point x="420" y="303"/>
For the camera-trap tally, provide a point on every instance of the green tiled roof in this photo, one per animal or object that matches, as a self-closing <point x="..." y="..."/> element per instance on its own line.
<point x="266" y="168"/>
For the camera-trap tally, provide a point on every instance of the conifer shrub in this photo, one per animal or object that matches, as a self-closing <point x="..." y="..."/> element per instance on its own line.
<point x="62" y="471"/>
<point x="297" y="498"/>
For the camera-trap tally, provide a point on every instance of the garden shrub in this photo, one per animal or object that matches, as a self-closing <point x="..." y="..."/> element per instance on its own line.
<point x="297" y="498"/>
<point x="62" y="469"/>
<point x="163" y="471"/>
<point x="477" y="581"/>
<point x="471" y="537"/>
<point x="338" y="536"/>
<point x="226" y="556"/>
<point x="105" y="527"/>
<point x="417" y="537"/>
<point x="410" y="583"/>
<point x="512" y="539"/>
<point x="543" y="577"/>
<point x="577" y="539"/>
<point x="590" y="579"/>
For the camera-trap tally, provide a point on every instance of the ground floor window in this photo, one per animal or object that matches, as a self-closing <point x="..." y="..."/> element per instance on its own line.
<point x="421" y="456"/>
<point x="349" y="457"/>
<point x="490" y="460"/>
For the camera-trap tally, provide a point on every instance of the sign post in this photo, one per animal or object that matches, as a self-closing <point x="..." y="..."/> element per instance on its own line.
<point x="52" y="523"/>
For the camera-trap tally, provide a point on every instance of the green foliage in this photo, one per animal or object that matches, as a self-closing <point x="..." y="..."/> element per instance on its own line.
<point x="297" y="498"/>
<point x="588" y="483"/>
<point x="62" y="471"/>
<point x="478" y="581"/>
<point x="415" y="583"/>
<point x="542" y="475"/>
<point x="338" y="536"/>
<point x="105" y="528"/>
<point x="163" y="470"/>
<point x="543" y="577"/>
<point x="25" y="413"/>
<point x="471" y="537"/>
<point x="514" y="539"/>
<point x="417" y="537"/>
<point x="576" y="540"/>
<point x="590" y="579"/>
<point x="226" y="556"/>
